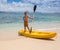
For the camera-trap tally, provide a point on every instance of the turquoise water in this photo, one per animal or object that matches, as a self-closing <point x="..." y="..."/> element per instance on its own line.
<point x="16" y="19"/>
<point x="10" y="23"/>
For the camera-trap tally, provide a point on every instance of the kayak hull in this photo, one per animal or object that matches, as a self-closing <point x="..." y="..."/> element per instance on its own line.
<point x="37" y="34"/>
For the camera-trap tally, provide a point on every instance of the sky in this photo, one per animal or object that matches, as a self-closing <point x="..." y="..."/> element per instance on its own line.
<point x="44" y="6"/>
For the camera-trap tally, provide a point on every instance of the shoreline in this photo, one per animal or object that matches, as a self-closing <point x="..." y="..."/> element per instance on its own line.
<point x="26" y="43"/>
<point x="10" y="31"/>
<point x="9" y="39"/>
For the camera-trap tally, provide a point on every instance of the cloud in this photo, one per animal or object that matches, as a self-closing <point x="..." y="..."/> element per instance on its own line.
<point x="48" y="10"/>
<point x="32" y="1"/>
<point x="3" y="1"/>
<point x="20" y="6"/>
<point x="53" y="3"/>
<point x="15" y="6"/>
<point x="44" y="6"/>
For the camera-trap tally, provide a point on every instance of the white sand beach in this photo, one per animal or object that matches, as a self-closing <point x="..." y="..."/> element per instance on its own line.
<point x="12" y="41"/>
<point x="40" y="15"/>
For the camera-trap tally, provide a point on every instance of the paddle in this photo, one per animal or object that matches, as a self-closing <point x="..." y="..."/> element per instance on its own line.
<point x="34" y="9"/>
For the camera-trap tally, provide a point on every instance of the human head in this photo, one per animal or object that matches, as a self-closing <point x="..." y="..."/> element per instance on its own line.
<point x="25" y="13"/>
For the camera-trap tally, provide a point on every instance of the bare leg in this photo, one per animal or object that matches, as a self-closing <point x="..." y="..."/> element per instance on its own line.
<point x="29" y="29"/>
<point x="24" y="29"/>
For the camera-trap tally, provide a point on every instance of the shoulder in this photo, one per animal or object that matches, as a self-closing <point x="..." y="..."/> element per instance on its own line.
<point x="27" y="16"/>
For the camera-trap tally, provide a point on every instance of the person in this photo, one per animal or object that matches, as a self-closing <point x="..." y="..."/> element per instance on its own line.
<point x="25" y="18"/>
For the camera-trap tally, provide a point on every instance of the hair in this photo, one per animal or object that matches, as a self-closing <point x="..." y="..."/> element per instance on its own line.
<point x="25" y="12"/>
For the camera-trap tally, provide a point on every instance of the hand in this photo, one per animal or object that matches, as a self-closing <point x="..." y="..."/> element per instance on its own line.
<point x="32" y="19"/>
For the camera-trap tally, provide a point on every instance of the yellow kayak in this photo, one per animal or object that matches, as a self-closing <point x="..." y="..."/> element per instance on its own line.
<point x="37" y="34"/>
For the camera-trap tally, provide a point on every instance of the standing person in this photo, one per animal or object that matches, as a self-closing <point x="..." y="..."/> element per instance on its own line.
<point x="25" y="18"/>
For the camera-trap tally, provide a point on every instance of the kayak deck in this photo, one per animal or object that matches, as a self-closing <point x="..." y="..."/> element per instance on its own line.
<point x="37" y="34"/>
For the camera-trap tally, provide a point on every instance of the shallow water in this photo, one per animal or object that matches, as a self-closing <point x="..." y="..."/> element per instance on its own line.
<point x="40" y="19"/>
<point x="10" y="23"/>
<point x="18" y="17"/>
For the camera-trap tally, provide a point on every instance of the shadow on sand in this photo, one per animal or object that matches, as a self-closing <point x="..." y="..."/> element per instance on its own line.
<point x="48" y="39"/>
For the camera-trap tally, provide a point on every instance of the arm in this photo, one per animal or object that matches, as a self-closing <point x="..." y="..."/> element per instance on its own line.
<point x="30" y="17"/>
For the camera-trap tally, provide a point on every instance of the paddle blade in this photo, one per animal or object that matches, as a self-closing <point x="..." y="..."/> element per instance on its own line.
<point x="35" y="6"/>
